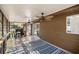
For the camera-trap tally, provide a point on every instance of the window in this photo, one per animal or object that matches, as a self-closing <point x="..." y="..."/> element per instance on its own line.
<point x="5" y="32"/>
<point x="0" y="25"/>
<point x="72" y="24"/>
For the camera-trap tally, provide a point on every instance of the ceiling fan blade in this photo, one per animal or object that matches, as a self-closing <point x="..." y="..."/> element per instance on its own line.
<point x="49" y="17"/>
<point x="35" y="21"/>
<point x="37" y="16"/>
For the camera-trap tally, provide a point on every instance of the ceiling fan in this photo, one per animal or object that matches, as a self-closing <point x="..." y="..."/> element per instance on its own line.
<point x="43" y="18"/>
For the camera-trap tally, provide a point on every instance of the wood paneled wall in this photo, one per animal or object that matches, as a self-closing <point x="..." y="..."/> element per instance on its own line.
<point x="55" y="31"/>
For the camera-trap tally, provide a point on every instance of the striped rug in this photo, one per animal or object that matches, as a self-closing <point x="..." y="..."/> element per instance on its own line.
<point x="36" y="46"/>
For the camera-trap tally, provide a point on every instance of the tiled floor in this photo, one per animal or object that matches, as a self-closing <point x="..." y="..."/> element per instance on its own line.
<point x="34" y="45"/>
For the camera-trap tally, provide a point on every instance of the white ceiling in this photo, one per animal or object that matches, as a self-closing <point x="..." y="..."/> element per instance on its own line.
<point x="22" y="12"/>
